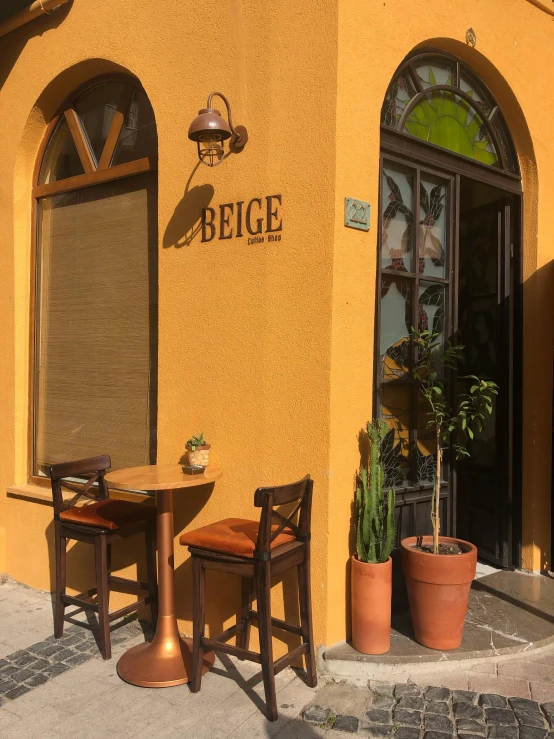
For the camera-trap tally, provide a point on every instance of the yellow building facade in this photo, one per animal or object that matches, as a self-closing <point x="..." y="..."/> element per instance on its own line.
<point x="269" y="347"/>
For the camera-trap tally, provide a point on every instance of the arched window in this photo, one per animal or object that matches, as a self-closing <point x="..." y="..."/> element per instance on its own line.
<point x="95" y="338"/>
<point x="437" y="99"/>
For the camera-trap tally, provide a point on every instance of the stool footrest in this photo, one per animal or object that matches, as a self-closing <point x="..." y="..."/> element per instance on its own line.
<point x="70" y="600"/>
<point x="135" y="584"/>
<point x="228" y="633"/>
<point x="286" y="659"/>
<point x="279" y="624"/>
<point x="217" y="646"/>
<point x="130" y="608"/>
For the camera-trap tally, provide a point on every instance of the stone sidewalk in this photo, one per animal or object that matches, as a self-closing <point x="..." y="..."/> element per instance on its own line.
<point x="62" y="688"/>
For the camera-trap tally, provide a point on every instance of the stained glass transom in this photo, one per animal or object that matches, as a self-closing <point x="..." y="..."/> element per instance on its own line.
<point x="439" y="100"/>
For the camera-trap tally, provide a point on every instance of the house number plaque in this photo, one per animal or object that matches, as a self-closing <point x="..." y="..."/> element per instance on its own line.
<point x="356" y="214"/>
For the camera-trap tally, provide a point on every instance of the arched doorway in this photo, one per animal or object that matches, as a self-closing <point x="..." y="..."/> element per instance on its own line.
<point x="94" y="363"/>
<point x="450" y="246"/>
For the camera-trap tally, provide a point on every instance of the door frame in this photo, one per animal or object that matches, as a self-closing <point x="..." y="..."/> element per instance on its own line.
<point x="411" y="151"/>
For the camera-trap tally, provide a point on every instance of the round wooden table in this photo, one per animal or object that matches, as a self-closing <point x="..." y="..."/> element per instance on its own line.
<point x="167" y="659"/>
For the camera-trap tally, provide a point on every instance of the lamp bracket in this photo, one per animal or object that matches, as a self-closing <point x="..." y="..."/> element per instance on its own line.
<point x="240" y="134"/>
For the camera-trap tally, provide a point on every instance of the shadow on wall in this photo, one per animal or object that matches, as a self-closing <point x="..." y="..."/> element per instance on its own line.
<point x="184" y="225"/>
<point x="13" y="43"/>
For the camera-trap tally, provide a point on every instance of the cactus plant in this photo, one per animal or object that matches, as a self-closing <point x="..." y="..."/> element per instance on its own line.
<point x="376" y="530"/>
<point x="196" y="441"/>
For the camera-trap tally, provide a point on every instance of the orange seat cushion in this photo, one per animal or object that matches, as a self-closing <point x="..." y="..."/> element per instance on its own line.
<point x="236" y="536"/>
<point x="109" y="514"/>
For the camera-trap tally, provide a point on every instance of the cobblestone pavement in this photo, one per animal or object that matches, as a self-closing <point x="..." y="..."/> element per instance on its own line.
<point x="407" y="711"/>
<point x="61" y="689"/>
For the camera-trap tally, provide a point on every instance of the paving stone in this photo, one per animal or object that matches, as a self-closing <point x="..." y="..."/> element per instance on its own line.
<point x="378" y="716"/>
<point x="490" y="700"/>
<point x="412" y="703"/>
<point x="6" y="686"/>
<point x="55" y="670"/>
<point x="469" y="736"/>
<point x="18" y="691"/>
<point x="36" y="680"/>
<point x="468" y="710"/>
<point x="64" y="655"/>
<point x="49" y="650"/>
<point x="437" y="694"/>
<point x="408" y="718"/>
<point x="382" y="688"/>
<point x="542" y="692"/>
<point x="464" y="696"/>
<point x="8" y="670"/>
<point x="527" y="718"/>
<point x="532" y="732"/>
<point x="386" y="702"/>
<point x="437" y="707"/>
<point x="501" y="716"/>
<point x="78" y="659"/>
<point x="315" y="714"/>
<point x="439" y="723"/>
<point x="435" y="735"/>
<point x="381" y="732"/>
<point x="73" y="640"/>
<point x="471" y="727"/>
<point x="21" y="675"/>
<point x="407" y="689"/>
<point x="39" y="664"/>
<point x="548" y="709"/>
<point x="346" y="723"/>
<point x="503" y="732"/>
<point x="499" y="685"/>
<point x="407" y="732"/>
<point x="24" y="659"/>
<point x="524" y="704"/>
<point x="17" y="655"/>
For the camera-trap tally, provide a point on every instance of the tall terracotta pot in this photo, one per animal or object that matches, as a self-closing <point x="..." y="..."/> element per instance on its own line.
<point x="438" y="590"/>
<point x="371" y="591"/>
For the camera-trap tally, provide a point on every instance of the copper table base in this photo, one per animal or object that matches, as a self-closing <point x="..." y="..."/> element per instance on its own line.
<point x="167" y="660"/>
<point x="164" y="662"/>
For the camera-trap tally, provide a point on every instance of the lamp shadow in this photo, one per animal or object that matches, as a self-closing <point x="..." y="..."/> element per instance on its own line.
<point x="185" y="223"/>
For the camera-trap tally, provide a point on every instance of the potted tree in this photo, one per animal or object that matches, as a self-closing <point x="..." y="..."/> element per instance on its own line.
<point x="439" y="570"/>
<point x="371" y="572"/>
<point x="198" y="450"/>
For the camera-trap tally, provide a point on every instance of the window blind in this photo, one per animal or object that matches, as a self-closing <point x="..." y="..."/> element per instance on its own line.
<point x="96" y="337"/>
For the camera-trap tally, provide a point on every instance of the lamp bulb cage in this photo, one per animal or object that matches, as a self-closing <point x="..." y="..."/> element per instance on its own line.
<point x="210" y="131"/>
<point x="210" y="149"/>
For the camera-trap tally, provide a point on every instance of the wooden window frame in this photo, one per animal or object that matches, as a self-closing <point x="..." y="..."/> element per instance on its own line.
<point x="93" y="175"/>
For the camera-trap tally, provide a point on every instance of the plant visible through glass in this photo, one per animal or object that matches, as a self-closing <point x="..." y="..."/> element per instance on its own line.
<point x="452" y="427"/>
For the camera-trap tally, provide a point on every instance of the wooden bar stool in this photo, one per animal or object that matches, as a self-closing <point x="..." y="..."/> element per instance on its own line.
<point x="257" y="552"/>
<point x="100" y="523"/>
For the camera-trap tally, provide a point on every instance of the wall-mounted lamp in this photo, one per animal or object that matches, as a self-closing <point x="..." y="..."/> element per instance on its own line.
<point x="210" y="130"/>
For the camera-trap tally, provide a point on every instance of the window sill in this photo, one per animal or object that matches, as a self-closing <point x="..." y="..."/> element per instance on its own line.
<point x="38" y="494"/>
<point x="31" y="493"/>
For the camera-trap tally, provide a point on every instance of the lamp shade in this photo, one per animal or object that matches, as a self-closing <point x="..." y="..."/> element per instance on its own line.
<point x="209" y="121"/>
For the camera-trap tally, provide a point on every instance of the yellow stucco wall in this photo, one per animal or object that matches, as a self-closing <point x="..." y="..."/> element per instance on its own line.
<point x="286" y="350"/>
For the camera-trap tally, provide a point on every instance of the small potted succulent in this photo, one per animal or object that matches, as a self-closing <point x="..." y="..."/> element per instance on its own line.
<point x="198" y="450"/>
<point x="371" y="575"/>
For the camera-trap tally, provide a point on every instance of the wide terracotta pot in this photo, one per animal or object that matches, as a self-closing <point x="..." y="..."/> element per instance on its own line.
<point x="371" y="592"/>
<point x="438" y="590"/>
